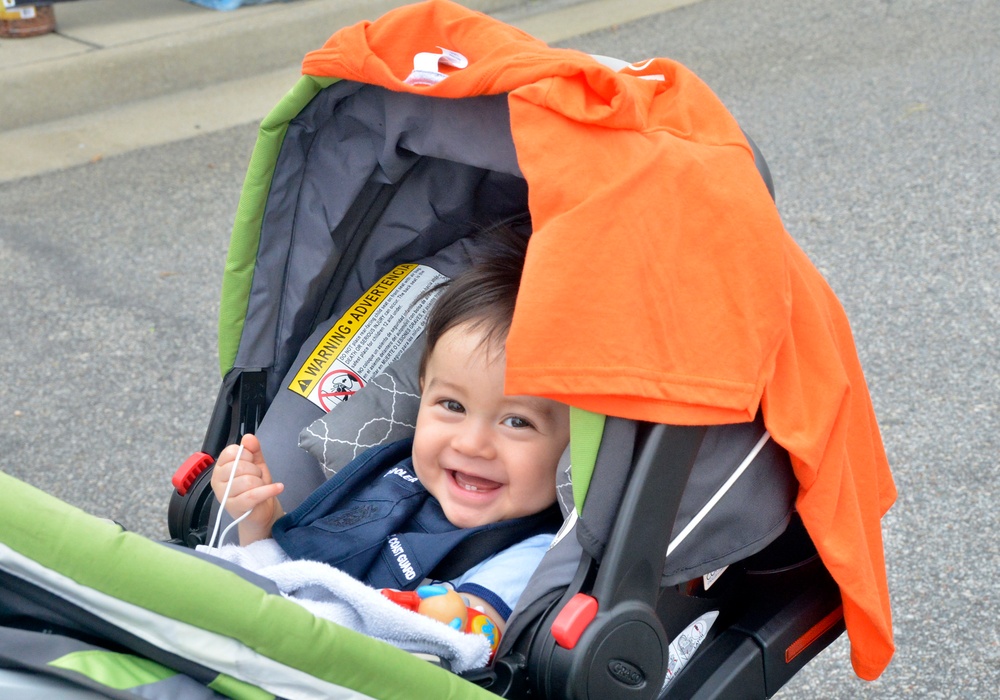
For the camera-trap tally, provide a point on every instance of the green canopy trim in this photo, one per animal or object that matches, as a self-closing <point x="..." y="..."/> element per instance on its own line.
<point x="586" y="430"/>
<point x="245" y="238"/>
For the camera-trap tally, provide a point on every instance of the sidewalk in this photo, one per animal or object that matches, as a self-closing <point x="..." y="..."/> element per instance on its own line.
<point x="120" y="74"/>
<point x="110" y="52"/>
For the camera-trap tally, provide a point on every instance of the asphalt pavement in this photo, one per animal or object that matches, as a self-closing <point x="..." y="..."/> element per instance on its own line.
<point x="879" y="122"/>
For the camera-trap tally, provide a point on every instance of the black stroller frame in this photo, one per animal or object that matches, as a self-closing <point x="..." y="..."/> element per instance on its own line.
<point x="780" y="617"/>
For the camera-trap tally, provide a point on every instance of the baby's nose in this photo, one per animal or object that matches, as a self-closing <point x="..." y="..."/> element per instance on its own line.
<point x="474" y="439"/>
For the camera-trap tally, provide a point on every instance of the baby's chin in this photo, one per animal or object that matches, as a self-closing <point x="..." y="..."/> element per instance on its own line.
<point x="463" y="519"/>
<point x="467" y="520"/>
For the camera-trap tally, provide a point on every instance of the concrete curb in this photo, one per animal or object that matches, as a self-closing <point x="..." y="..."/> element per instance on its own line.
<point x="232" y="46"/>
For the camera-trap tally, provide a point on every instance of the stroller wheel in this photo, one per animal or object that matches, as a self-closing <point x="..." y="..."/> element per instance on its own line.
<point x="189" y="515"/>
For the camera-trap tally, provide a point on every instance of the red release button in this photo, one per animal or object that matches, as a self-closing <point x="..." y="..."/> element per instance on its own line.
<point x="573" y="619"/>
<point x="189" y="471"/>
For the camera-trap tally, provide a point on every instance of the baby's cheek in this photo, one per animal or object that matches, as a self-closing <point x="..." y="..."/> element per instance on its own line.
<point x="419" y="455"/>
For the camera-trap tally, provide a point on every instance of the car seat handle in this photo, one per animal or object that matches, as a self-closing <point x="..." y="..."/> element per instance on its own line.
<point x="611" y="643"/>
<point x="632" y="565"/>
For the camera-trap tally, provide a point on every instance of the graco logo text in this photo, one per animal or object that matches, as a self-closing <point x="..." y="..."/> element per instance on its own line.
<point x="626" y="673"/>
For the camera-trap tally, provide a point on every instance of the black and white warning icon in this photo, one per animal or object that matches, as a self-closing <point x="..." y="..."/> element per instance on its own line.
<point x="336" y="386"/>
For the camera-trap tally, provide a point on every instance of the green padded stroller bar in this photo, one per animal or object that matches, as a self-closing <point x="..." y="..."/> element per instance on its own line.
<point x="194" y="609"/>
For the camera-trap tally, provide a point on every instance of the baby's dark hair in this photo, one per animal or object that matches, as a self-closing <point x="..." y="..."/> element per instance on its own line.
<point x="484" y="295"/>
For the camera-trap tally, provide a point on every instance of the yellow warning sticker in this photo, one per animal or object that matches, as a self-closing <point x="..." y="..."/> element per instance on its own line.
<point x="373" y="332"/>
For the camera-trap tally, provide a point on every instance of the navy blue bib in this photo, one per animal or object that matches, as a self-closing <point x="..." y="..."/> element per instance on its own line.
<point x="374" y="520"/>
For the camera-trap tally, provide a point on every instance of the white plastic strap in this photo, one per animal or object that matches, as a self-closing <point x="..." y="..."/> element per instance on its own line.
<point x="719" y="494"/>
<point x="620" y="66"/>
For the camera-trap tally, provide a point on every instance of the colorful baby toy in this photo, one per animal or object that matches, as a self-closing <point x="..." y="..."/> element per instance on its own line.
<point x="445" y="605"/>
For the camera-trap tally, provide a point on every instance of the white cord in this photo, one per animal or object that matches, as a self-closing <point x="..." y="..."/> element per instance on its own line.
<point x="232" y="525"/>
<point x="222" y="505"/>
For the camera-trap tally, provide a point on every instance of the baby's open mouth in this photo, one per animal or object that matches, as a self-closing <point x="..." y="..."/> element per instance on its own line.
<point x="470" y="482"/>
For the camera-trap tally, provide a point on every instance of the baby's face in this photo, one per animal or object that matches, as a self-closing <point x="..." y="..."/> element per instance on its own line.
<point x="484" y="456"/>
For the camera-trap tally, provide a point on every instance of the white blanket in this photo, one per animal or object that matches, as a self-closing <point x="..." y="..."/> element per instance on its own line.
<point x="331" y="594"/>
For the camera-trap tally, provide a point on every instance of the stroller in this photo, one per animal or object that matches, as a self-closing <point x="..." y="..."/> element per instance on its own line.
<point x="690" y="564"/>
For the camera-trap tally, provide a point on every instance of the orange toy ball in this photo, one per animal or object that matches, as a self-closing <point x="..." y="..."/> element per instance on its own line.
<point x="445" y="608"/>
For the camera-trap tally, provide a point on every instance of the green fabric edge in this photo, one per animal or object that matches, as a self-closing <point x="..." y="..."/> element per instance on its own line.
<point x="237" y="689"/>
<point x="585" y="430"/>
<point x="98" y="554"/>
<point x="245" y="237"/>
<point x="114" y="669"/>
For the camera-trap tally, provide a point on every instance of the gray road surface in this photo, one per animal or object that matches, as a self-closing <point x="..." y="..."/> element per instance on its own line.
<point x="879" y="120"/>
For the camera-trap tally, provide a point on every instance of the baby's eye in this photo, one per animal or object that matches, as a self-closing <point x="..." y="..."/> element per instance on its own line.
<point x="517" y="422"/>
<point x="453" y="406"/>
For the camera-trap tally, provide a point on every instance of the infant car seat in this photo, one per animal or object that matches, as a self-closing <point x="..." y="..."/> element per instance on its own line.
<point x="683" y="571"/>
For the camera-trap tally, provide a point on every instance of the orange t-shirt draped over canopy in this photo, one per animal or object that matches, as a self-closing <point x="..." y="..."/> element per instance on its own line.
<point x="660" y="283"/>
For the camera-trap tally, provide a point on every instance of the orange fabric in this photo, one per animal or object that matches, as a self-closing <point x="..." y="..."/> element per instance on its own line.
<point x="660" y="283"/>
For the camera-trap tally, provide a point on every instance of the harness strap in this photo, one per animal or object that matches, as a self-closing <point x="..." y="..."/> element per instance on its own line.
<point x="486" y="543"/>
